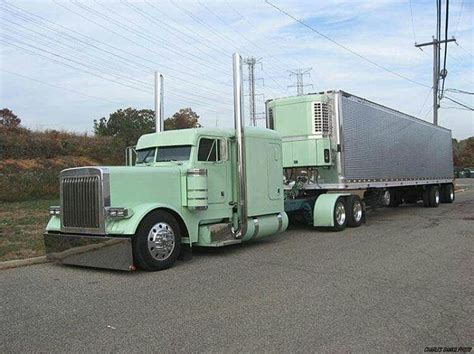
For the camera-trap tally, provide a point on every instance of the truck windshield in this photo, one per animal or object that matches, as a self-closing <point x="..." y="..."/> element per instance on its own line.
<point x="145" y="155"/>
<point x="173" y="153"/>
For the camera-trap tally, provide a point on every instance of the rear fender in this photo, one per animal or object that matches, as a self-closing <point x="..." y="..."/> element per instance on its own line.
<point x="323" y="211"/>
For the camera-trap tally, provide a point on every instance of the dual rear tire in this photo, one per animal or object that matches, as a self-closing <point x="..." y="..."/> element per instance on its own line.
<point x="433" y="195"/>
<point x="348" y="211"/>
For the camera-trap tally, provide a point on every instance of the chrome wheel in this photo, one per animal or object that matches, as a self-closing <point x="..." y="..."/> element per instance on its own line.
<point x="357" y="211"/>
<point x="161" y="241"/>
<point x="386" y="198"/>
<point x="437" y="196"/>
<point x="340" y="213"/>
<point x="451" y="195"/>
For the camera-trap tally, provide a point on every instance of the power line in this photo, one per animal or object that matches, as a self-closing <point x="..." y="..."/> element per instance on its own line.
<point x="459" y="91"/>
<point x="459" y="18"/>
<point x="59" y="87"/>
<point x="71" y="66"/>
<point x="412" y="21"/>
<point x="137" y="31"/>
<point x="370" y="61"/>
<point x="460" y="103"/>
<point x="187" y="73"/>
<point x="424" y="102"/>
<point x="115" y="55"/>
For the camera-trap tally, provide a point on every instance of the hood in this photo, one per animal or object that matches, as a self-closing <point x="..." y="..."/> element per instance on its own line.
<point x="132" y="185"/>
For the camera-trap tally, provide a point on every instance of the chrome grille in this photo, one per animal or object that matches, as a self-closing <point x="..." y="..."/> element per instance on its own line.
<point x="82" y="200"/>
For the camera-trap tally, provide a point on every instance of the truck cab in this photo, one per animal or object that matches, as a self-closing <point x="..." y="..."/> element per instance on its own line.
<point x="183" y="189"/>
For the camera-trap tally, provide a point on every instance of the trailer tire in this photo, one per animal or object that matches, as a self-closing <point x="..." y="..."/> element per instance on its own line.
<point x="355" y="211"/>
<point x="391" y="198"/>
<point x="339" y="215"/>
<point x="157" y="242"/>
<point x="447" y="193"/>
<point x="431" y="197"/>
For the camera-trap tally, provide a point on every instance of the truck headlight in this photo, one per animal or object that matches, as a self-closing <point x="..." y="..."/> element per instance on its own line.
<point x="54" y="210"/>
<point x="116" y="212"/>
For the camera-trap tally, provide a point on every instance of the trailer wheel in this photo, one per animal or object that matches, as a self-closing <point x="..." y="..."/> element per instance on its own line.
<point x="434" y="196"/>
<point x="157" y="243"/>
<point x="431" y="197"/>
<point x="355" y="211"/>
<point x="447" y="193"/>
<point x="339" y="215"/>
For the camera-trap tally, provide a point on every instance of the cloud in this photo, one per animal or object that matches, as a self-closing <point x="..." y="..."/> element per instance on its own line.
<point x="193" y="48"/>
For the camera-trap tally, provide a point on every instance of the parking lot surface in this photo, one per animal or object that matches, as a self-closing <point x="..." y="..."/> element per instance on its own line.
<point x="401" y="282"/>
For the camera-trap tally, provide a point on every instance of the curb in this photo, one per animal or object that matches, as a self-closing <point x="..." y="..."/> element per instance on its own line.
<point x="22" y="262"/>
<point x="460" y="190"/>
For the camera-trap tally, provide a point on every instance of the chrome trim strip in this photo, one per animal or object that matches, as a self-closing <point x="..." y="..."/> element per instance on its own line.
<point x="197" y="190"/>
<point x="257" y="227"/>
<point x="197" y="172"/>
<point x="280" y="222"/>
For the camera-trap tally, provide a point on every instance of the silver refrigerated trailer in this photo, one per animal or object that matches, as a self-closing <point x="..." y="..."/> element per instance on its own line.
<point x="336" y="141"/>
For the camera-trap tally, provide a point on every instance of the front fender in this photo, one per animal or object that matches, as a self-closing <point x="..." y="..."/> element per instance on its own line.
<point x="129" y="225"/>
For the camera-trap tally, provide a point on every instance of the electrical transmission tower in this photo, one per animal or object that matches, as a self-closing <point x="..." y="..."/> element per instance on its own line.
<point x="250" y="62"/>
<point x="300" y="74"/>
<point x="437" y="73"/>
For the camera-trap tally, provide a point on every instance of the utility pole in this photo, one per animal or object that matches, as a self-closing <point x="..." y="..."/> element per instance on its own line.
<point x="250" y="62"/>
<point x="437" y="73"/>
<point x="300" y="74"/>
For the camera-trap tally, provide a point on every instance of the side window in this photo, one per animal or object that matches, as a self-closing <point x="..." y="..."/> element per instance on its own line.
<point x="210" y="150"/>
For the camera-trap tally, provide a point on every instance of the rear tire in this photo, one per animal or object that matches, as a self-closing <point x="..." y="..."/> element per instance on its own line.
<point x="447" y="193"/>
<point x="355" y="211"/>
<point x="339" y="215"/>
<point x="391" y="198"/>
<point x="157" y="242"/>
<point x="431" y="197"/>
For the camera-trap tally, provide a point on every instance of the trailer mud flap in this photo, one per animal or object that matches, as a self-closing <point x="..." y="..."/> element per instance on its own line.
<point x="323" y="212"/>
<point x="90" y="251"/>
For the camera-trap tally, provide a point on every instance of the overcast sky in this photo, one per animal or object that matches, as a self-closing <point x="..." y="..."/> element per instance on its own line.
<point x="64" y="64"/>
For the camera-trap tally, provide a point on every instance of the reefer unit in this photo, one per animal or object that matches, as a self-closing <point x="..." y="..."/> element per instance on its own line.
<point x="354" y="143"/>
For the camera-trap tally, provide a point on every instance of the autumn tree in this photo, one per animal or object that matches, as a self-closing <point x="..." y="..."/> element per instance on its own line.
<point x="9" y="119"/>
<point x="127" y="125"/>
<point x="183" y="119"/>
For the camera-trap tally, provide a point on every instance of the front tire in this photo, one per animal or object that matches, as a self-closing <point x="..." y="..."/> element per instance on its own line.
<point x="339" y="215"/>
<point x="157" y="243"/>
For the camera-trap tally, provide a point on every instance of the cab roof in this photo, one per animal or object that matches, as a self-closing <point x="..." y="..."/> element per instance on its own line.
<point x="191" y="136"/>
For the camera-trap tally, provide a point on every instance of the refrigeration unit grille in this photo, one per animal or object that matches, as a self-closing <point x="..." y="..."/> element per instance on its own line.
<point x="320" y="118"/>
<point x="271" y="124"/>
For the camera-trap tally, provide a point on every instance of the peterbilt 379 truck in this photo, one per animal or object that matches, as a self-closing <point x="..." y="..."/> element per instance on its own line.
<point x="320" y="159"/>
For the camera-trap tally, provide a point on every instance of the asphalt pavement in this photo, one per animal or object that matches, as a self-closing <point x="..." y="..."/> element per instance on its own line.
<point x="401" y="282"/>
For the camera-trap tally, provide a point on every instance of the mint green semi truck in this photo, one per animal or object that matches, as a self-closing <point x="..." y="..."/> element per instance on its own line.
<point x="318" y="160"/>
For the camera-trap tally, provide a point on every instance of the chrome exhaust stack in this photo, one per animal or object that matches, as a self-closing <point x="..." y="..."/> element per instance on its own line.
<point x="240" y="138"/>
<point x="159" y="108"/>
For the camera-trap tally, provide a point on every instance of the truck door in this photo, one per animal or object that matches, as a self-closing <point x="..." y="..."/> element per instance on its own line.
<point x="212" y="155"/>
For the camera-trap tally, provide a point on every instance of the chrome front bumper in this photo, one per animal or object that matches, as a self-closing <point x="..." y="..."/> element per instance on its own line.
<point x="90" y="251"/>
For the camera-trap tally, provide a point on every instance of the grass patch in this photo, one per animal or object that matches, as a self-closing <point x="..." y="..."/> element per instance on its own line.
<point x="21" y="228"/>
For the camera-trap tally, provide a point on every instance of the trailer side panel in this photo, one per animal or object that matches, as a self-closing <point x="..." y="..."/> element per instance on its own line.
<point x="379" y="143"/>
